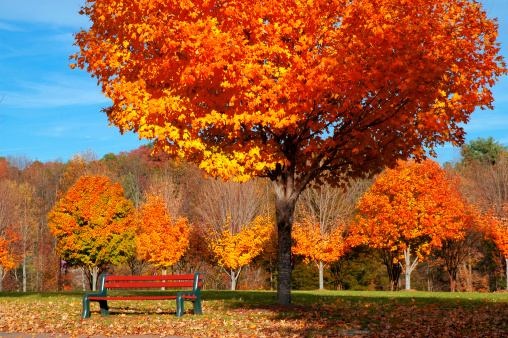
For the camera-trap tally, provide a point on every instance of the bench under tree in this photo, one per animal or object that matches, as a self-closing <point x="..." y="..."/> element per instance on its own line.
<point x="108" y="282"/>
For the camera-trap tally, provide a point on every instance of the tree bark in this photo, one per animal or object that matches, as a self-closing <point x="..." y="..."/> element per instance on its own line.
<point x="409" y="267"/>
<point x="285" y="202"/>
<point x="506" y="261"/>
<point x="321" y="268"/>
<point x="94" y="271"/>
<point x="1" y="279"/>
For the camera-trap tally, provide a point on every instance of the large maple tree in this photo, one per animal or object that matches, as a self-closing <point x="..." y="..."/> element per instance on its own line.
<point x="292" y="90"/>
<point x="94" y="224"/>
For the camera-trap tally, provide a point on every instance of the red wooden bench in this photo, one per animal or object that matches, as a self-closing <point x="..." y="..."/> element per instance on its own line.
<point x="157" y="281"/>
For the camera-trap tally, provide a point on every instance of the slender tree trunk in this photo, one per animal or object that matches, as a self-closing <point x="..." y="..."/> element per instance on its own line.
<point x="453" y="277"/>
<point x="83" y="278"/>
<point x="1" y="278"/>
<point x="506" y="261"/>
<point x="321" y="268"/>
<point x="24" y="269"/>
<point x="233" y="280"/>
<point x="409" y="267"/>
<point x="94" y="271"/>
<point x="164" y="273"/>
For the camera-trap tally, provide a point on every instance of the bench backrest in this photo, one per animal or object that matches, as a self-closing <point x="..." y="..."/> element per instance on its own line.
<point x="156" y="281"/>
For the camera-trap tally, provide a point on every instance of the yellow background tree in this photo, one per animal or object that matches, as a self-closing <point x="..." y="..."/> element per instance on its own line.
<point x="234" y="251"/>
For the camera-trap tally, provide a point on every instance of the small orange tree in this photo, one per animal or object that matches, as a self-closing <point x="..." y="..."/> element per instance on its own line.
<point x="161" y="240"/>
<point x="93" y="224"/>
<point x="318" y="244"/>
<point x="8" y="257"/>
<point x="409" y="210"/>
<point x="234" y="251"/>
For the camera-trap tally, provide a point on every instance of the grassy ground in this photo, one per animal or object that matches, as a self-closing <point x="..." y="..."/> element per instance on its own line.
<point x="253" y="314"/>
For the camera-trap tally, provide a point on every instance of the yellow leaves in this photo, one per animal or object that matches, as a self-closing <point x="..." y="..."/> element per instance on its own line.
<point x="236" y="250"/>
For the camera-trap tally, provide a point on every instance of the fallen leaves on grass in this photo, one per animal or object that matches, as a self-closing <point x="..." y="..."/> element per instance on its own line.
<point x="229" y="318"/>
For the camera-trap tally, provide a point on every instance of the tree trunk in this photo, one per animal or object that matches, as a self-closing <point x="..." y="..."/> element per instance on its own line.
<point x="452" y="280"/>
<point x="94" y="271"/>
<point x="409" y="267"/>
<point x="1" y="278"/>
<point x="164" y="273"/>
<point x="83" y="278"/>
<point x="506" y="261"/>
<point x="233" y="281"/>
<point x="285" y="203"/>
<point x="321" y="268"/>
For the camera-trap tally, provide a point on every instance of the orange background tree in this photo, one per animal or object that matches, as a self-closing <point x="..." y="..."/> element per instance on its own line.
<point x="161" y="240"/>
<point x="295" y="90"/>
<point x="408" y="211"/>
<point x="93" y="224"/>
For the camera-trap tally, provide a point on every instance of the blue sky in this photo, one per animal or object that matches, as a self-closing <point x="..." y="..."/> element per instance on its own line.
<point x="50" y="112"/>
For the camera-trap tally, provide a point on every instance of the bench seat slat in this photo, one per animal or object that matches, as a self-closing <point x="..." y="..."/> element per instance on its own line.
<point x="132" y="298"/>
<point x="139" y="297"/>
<point x="121" y="285"/>
<point x="150" y="277"/>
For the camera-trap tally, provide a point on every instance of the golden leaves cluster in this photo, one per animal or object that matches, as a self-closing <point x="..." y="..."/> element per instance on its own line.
<point x="234" y="251"/>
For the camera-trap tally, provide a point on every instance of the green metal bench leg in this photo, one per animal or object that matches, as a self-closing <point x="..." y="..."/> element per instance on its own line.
<point x="197" y="307"/>
<point x="179" y="305"/>
<point x="104" y="307"/>
<point x="86" y="307"/>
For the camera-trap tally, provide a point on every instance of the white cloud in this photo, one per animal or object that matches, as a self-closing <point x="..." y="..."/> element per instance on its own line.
<point x="55" y="91"/>
<point x="11" y="28"/>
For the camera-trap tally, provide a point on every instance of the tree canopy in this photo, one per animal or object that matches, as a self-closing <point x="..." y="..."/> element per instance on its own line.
<point x="292" y="90"/>
<point x="483" y="151"/>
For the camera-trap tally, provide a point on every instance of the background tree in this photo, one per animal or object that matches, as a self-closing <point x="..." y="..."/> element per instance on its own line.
<point x="255" y="88"/>
<point x="483" y="151"/>
<point x="323" y="213"/>
<point x="93" y="224"/>
<point x="234" y="251"/>
<point x="162" y="240"/>
<point x="409" y="210"/>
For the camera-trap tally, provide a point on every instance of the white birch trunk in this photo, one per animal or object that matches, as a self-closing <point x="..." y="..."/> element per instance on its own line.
<point x="164" y="273"/>
<point x="321" y="268"/>
<point x="83" y="278"/>
<point x="94" y="271"/>
<point x="409" y="267"/>
<point x="506" y="261"/>
<point x="2" y="275"/>
<point x="234" y="277"/>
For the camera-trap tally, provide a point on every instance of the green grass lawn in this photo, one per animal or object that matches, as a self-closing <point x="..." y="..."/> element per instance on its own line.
<point x="254" y="314"/>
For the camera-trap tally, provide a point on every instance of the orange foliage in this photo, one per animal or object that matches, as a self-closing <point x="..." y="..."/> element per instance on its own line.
<point x="8" y="258"/>
<point x="242" y="86"/>
<point x="93" y="223"/>
<point x="414" y="205"/>
<point x="161" y="240"/>
<point x="316" y="244"/>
